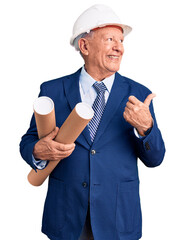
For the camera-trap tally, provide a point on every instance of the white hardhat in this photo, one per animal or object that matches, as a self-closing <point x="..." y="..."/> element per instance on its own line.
<point x="96" y="16"/>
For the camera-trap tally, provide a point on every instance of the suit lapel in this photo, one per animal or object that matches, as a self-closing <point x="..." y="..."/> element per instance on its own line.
<point x="119" y="91"/>
<point x="71" y="87"/>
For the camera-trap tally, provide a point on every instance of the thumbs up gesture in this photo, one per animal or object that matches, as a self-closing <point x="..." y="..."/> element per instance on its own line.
<point x="137" y="113"/>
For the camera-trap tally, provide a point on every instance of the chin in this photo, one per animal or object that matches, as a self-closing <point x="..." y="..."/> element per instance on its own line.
<point x="114" y="66"/>
<point x="114" y="69"/>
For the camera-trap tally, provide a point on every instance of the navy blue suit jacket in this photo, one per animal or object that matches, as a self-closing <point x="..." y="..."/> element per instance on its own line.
<point x="108" y="176"/>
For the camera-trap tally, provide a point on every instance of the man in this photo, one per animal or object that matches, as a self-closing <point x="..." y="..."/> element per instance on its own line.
<point x="93" y="193"/>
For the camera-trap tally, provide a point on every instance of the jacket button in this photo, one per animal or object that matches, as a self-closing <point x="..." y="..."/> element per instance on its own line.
<point x="93" y="152"/>
<point x="84" y="184"/>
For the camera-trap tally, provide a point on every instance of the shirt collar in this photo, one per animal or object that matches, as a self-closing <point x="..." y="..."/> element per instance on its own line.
<point x="87" y="81"/>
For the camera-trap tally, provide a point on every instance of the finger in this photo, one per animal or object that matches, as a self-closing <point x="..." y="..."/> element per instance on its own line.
<point x="65" y="147"/>
<point x="130" y="105"/>
<point x="61" y="155"/>
<point x="127" y="110"/>
<point x="52" y="134"/>
<point x="126" y="114"/>
<point x="149" y="99"/>
<point x="64" y="154"/>
<point x="133" y="100"/>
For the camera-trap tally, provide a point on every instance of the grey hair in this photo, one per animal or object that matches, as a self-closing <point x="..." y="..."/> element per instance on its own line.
<point x="83" y="35"/>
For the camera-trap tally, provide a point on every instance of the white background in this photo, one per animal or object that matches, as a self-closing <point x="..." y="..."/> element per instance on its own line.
<point x="35" y="48"/>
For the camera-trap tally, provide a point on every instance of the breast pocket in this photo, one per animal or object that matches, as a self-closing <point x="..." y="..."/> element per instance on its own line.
<point x="54" y="209"/>
<point x="128" y="207"/>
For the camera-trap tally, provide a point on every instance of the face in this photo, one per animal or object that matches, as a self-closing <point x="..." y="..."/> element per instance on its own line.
<point x="105" y="50"/>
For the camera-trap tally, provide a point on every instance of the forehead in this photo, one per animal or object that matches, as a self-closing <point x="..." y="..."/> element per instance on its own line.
<point x="115" y="31"/>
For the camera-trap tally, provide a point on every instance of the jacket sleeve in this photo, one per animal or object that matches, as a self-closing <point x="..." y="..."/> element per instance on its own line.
<point x="29" y="139"/>
<point x="151" y="149"/>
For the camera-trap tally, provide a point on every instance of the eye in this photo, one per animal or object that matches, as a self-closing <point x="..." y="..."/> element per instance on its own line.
<point x="121" y="40"/>
<point x="109" y="39"/>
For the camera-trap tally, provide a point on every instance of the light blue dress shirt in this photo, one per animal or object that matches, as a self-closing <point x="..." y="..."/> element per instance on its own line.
<point x="87" y="92"/>
<point x="88" y="95"/>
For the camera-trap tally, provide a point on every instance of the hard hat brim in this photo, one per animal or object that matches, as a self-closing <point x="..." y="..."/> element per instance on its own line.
<point x="126" y="30"/>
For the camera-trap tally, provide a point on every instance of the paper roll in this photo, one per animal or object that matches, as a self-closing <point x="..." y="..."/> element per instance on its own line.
<point x="75" y="123"/>
<point x="68" y="133"/>
<point x="44" y="115"/>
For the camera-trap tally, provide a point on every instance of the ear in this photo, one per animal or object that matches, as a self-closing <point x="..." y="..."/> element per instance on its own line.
<point x="84" y="46"/>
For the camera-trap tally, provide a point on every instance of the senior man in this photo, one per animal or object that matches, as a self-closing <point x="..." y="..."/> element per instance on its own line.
<point x="93" y="193"/>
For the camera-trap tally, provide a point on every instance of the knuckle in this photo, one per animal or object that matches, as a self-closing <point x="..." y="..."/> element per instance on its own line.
<point x="55" y="151"/>
<point x="126" y="109"/>
<point x="49" y="147"/>
<point x="136" y="109"/>
<point x="125" y="116"/>
<point x="140" y="104"/>
<point x="52" y="149"/>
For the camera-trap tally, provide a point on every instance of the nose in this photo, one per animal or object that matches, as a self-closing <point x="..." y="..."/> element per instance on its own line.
<point x="118" y="47"/>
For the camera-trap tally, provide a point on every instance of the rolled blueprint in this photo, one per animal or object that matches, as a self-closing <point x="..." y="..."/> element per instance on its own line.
<point x="44" y="115"/>
<point x="68" y="133"/>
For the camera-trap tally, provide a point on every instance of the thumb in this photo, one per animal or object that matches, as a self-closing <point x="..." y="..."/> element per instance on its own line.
<point x="52" y="134"/>
<point x="149" y="98"/>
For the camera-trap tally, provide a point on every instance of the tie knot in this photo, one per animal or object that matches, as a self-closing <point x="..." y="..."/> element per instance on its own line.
<point x="99" y="87"/>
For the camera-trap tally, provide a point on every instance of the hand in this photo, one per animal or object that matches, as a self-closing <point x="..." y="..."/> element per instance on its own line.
<point x="137" y="113"/>
<point x="48" y="149"/>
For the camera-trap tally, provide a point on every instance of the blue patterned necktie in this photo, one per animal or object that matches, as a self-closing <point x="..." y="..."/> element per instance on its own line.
<point x="98" y="107"/>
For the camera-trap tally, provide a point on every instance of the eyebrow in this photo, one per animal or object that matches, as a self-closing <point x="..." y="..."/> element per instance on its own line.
<point x="111" y="35"/>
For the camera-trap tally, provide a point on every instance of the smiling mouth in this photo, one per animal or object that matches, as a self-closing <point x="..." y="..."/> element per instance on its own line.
<point x="113" y="57"/>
